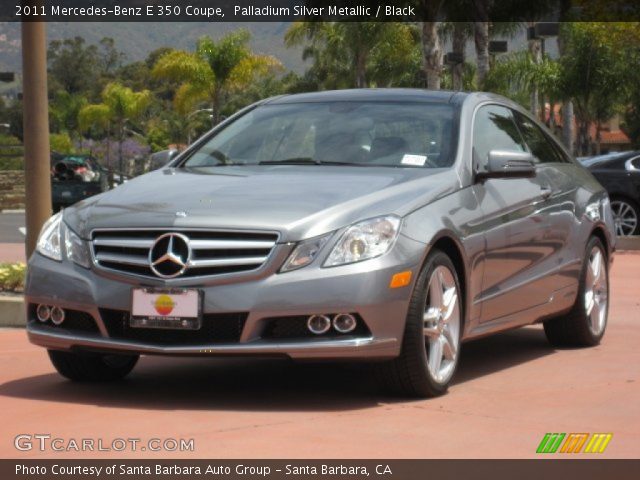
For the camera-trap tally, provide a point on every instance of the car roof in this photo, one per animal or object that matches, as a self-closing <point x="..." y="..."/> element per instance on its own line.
<point x="609" y="157"/>
<point x="371" y="94"/>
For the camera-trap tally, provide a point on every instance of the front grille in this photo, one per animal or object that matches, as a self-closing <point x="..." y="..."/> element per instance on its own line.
<point x="216" y="328"/>
<point x="213" y="253"/>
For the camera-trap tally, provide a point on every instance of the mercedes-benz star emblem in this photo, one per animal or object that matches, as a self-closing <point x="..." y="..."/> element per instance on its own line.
<point x="170" y="255"/>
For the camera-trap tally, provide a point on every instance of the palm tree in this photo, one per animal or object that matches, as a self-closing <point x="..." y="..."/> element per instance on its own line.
<point x="119" y="106"/>
<point x="347" y="54"/>
<point x="213" y="71"/>
<point x="431" y="42"/>
<point x="516" y="74"/>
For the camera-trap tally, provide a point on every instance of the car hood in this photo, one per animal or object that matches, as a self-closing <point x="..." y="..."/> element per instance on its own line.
<point x="296" y="201"/>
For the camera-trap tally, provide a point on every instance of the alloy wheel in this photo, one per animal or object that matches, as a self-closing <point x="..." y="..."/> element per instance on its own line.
<point x="596" y="292"/>
<point x="625" y="218"/>
<point x="442" y="324"/>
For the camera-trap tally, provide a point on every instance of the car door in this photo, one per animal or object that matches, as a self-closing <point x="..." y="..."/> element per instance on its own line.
<point x="563" y="260"/>
<point x="514" y="220"/>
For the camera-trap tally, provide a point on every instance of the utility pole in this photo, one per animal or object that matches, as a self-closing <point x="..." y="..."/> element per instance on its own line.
<point x="36" y="130"/>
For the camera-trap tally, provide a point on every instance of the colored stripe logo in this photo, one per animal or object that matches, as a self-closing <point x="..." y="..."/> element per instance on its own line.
<point x="574" y="443"/>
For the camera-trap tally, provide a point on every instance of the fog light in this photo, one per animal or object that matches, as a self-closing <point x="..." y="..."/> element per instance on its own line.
<point x="318" y="324"/>
<point x="57" y="315"/>
<point x="344" y="322"/>
<point x="43" y="312"/>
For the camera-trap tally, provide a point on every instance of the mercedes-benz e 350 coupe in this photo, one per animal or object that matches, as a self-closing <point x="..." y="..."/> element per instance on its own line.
<point x="380" y="225"/>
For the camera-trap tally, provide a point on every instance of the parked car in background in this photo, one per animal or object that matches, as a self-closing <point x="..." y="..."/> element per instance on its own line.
<point x="74" y="178"/>
<point x="619" y="174"/>
<point x="386" y="225"/>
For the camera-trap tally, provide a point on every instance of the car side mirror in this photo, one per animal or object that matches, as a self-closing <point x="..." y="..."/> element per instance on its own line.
<point x="508" y="164"/>
<point x="160" y="159"/>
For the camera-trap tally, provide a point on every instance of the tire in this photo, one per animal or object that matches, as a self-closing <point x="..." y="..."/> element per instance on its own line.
<point x="430" y="321"/>
<point x="585" y="324"/>
<point x="626" y="215"/>
<point x="92" y="368"/>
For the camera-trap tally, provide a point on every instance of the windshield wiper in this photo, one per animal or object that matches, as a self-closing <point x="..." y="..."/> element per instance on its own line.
<point x="307" y="161"/>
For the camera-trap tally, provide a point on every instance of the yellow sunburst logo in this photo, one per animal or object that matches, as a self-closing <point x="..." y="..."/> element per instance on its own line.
<point x="164" y="304"/>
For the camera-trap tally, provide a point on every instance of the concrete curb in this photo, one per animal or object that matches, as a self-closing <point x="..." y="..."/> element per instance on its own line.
<point x="12" y="313"/>
<point x="628" y="243"/>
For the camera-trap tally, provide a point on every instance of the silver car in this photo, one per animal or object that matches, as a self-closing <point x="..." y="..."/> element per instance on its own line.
<point x="380" y="225"/>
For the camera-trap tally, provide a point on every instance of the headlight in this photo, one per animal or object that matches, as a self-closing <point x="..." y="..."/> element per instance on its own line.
<point x="304" y="253"/>
<point x="50" y="241"/>
<point x="76" y="248"/>
<point x="365" y="240"/>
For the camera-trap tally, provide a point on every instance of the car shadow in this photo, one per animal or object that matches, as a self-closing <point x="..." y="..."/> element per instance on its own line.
<point x="492" y="354"/>
<point x="162" y="383"/>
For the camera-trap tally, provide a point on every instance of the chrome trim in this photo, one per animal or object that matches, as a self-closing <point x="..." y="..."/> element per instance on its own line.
<point x="230" y="244"/>
<point x="122" y="258"/>
<point x="629" y="166"/>
<point x="123" y="242"/>
<point x="223" y="262"/>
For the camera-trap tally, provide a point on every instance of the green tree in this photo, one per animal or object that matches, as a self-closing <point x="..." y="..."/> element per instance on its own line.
<point x="63" y="111"/>
<point x="119" y="106"/>
<point x="358" y="54"/>
<point x="214" y="71"/>
<point x="593" y="70"/>
<point x="76" y="67"/>
<point x="516" y="74"/>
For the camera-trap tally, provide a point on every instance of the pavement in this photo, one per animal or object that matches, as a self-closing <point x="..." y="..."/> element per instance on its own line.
<point x="509" y="391"/>
<point x="12" y="237"/>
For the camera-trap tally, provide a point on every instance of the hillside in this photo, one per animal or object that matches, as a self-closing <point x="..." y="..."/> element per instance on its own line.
<point x="138" y="39"/>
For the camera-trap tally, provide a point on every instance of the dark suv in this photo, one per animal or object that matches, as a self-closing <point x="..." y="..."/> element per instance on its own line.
<point x="74" y="178"/>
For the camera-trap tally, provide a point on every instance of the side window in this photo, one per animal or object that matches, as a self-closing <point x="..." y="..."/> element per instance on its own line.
<point x="540" y="146"/>
<point x="494" y="129"/>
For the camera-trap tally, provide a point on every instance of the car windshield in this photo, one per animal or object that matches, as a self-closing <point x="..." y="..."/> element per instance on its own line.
<point x="378" y="134"/>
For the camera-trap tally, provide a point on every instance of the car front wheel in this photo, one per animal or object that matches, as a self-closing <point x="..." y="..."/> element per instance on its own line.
<point x="431" y="341"/>
<point x="92" y="367"/>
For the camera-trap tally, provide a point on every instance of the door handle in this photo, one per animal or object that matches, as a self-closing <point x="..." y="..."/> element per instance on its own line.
<point x="545" y="192"/>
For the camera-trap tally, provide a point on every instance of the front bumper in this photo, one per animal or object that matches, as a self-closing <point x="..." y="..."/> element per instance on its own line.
<point x="325" y="349"/>
<point x="361" y="288"/>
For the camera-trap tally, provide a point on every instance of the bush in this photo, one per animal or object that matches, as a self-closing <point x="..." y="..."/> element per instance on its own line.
<point x="10" y="153"/>
<point x="12" y="276"/>
<point x="61" y="143"/>
<point x="11" y="164"/>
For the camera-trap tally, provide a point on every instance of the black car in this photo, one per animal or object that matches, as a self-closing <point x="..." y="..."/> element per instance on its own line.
<point x="74" y="178"/>
<point x="619" y="173"/>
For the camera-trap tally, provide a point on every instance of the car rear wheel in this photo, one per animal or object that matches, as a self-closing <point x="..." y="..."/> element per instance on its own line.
<point x="625" y="216"/>
<point x="584" y="326"/>
<point x="92" y="367"/>
<point x="431" y="341"/>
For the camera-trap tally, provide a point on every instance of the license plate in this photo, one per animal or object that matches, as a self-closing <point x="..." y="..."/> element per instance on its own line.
<point x="172" y="309"/>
